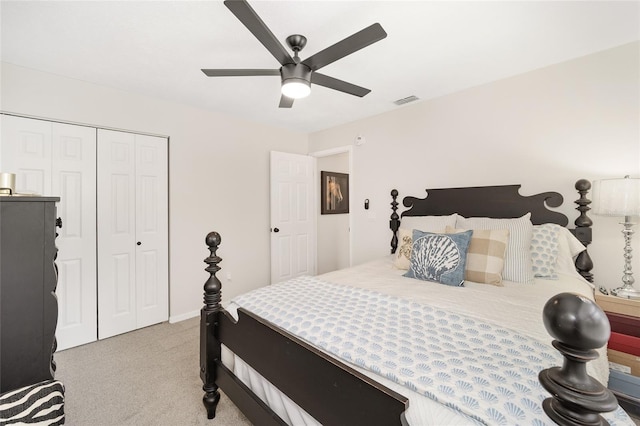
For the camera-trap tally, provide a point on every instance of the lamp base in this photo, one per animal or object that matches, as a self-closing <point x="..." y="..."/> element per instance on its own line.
<point x="626" y="292"/>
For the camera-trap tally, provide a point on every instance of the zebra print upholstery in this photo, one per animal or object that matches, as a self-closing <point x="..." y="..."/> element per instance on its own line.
<point x="42" y="403"/>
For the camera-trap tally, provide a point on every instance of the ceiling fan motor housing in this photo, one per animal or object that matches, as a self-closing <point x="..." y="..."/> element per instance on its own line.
<point x="295" y="72"/>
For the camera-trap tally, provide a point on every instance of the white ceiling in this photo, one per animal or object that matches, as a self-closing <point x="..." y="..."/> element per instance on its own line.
<point x="433" y="48"/>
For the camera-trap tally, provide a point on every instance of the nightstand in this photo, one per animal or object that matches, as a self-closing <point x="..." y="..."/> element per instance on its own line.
<point x="623" y="349"/>
<point x="618" y="305"/>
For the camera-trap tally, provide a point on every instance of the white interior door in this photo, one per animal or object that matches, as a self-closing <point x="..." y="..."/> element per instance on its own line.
<point x="293" y="225"/>
<point x="26" y="151"/>
<point x="74" y="181"/>
<point x="116" y="233"/>
<point x="152" y="257"/>
<point x="60" y="160"/>
<point x="132" y="232"/>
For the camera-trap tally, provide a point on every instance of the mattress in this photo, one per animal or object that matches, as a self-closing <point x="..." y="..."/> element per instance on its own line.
<point x="515" y="306"/>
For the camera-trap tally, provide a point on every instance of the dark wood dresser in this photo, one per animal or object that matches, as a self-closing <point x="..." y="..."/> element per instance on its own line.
<point x="28" y="278"/>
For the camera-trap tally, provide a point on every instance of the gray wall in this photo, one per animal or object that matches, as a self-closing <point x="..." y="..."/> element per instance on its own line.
<point x="544" y="129"/>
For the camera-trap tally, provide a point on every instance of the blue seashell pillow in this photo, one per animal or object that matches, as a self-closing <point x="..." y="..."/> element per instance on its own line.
<point x="439" y="257"/>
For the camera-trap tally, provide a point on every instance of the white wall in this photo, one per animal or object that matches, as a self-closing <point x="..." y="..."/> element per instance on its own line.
<point x="544" y="129"/>
<point x="333" y="229"/>
<point x="218" y="166"/>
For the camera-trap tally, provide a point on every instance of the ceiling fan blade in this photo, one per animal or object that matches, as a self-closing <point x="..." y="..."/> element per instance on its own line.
<point x="258" y="28"/>
<point x="334" y="83"/>
<point x="285" y="102"/>
<point x="239" y="73"/>
<point x="351" y="44"/>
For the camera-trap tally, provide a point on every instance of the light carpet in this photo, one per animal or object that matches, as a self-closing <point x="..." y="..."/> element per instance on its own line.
<point x="146" y="377"/>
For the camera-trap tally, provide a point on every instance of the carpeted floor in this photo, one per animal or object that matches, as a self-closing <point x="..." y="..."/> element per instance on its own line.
<point x="146" y="377"/>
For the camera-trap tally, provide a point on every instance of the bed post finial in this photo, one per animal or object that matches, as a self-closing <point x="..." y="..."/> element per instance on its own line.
<point x="583" y="223"/>
<point x="583" y="186"/>
<point x="394" y="223"/>
<point x="209" y="344"/>
<point x="579" y="327"/>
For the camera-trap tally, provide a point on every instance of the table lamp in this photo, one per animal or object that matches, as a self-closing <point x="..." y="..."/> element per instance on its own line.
<point x="620" y="197"/>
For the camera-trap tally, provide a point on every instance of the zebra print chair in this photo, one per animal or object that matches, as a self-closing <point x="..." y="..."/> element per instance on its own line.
<point x="42" y="403"/>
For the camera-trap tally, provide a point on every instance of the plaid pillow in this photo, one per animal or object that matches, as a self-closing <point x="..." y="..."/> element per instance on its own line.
<point x="517" y="260"/>
<point x="485" y="257"/>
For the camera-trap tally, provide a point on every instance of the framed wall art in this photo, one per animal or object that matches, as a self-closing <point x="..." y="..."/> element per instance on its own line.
<point x="334" y="188"/>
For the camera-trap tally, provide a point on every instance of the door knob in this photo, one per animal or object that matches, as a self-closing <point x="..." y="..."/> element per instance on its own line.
<point x="276" y="230"/>
<point x="138" y="243"/>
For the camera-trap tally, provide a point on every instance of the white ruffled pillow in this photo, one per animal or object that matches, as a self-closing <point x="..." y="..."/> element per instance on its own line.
<point x="435" y="224"/>
<point x="568" y="248"/>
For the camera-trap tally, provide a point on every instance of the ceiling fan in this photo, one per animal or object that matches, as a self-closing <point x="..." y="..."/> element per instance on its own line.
<point x="297" y="75"/>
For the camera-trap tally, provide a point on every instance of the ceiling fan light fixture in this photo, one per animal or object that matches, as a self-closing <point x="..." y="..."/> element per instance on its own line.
<point x="296" y="88"/>
<point x="296" y="81"/>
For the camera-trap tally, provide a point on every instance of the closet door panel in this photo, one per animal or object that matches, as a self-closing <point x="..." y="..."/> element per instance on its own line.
<point x="116" y="233"/>
<point x="152" y="230"/>
<point x="74" y="180"/>
<point x="55" y="159"/>
<point x="26" y="151"/>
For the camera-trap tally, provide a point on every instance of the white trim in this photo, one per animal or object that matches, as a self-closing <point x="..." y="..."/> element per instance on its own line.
<point x="332" y="151"/>
<point x="75" y="123"/>
<point x="183" y="317"/>
<point x="326" y="153"/>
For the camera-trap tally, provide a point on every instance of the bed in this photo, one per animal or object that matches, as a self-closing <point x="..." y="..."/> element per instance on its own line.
<point x="406" y="340"/>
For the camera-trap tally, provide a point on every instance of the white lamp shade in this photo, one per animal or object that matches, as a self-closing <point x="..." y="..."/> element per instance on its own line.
<point x="616" y="197"/>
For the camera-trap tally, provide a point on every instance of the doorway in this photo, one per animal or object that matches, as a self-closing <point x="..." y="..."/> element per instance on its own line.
<point x="333" y="230"/>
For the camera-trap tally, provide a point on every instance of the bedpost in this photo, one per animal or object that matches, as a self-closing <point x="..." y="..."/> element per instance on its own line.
<point x="209" y="343"/>
<point x="583" y="223"/>
<point x="394" y="223"/>
<point x="579" y="327"/>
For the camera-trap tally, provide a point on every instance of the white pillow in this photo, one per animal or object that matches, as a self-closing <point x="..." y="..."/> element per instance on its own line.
<point x="544" y="250"/>
<point x="568" y="248"/>
<point x="434" y="224"/>
<point x="402" y="256"/>
<point x="517" y="262"/>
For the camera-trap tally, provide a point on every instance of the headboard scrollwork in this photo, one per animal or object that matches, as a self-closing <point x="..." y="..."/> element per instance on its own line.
<point x="502" y="201"/>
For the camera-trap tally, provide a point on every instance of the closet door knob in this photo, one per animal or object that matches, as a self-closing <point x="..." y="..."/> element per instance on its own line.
<point x="276" y="230"/>
<point x="138" y="243"/>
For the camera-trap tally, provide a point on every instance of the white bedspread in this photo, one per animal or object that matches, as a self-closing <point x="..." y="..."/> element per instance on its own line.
<point x="515" y="306"/>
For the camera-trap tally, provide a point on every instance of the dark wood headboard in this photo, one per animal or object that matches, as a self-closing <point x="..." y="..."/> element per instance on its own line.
<point x="503" y="201"/>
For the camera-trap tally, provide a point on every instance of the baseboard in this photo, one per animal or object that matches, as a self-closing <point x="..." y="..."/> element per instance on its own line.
<point x="177" y="318"/>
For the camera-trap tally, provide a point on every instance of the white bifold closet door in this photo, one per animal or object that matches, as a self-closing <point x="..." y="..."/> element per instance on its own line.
<point x="55" y="159"/>
<point x="132" y="231"/>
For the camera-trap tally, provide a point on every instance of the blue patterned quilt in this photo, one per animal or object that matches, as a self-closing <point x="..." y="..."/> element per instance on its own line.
<point x="485" y="372"/>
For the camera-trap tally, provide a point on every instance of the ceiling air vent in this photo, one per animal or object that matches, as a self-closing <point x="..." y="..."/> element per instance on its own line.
<point x="406" y="100"/>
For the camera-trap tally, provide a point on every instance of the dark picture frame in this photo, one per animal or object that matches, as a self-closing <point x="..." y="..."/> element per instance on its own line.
<point x="334" y="190"/>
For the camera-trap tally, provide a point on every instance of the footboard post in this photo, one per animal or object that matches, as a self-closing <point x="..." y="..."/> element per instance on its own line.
<point x="209" y="343"/>
<point x="579" y="327"/>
